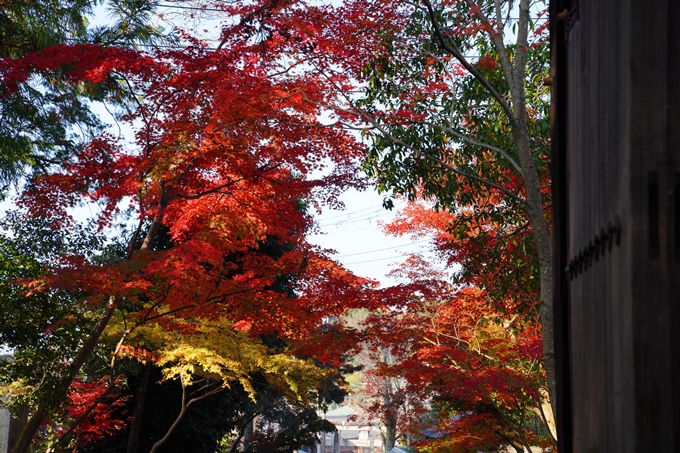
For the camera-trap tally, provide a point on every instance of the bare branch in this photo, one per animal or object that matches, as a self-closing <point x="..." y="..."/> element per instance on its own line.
<point x="505" y="236"/>
<point x="519" y="63"/>
<point x="500" y="25"/>
<point x="183" y="411"/>
<point x="498" y="43"/>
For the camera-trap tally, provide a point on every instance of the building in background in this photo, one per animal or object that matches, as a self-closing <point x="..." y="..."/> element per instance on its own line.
<point x="351" y="436"/>
<point x="10" y="426"/>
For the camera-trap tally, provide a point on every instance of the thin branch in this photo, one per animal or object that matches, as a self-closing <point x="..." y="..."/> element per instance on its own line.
<point x="295" y="65"/>
<point x="497" y="39"/>
<point x="134" y="95"/>
<point x="461" y="58"/>
<point x="131" y="247"/>
<point x="117" y="350"/>
<point x="183" y="411"/>
<point x="160" y="315"/>
<point x="521" y="43"/>
<point x="204" y="193"/>
<point x="120" y="130"/>
<point x="248" y="18"/>
<point x="474" y="142"/>
<point x="221" y="297"/>
<point x="505" y="236"/>
<point x="242" y="432"/>
<point x="453" y="169"/>
<point x="437" y="160"/>
<point x="386" y="134"/>
<point x="500" y="25"/>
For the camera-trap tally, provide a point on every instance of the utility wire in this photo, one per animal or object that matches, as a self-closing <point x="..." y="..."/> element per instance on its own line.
<point x="348" y="215"/>
<point x="364" y="217"/>
<point x="195" y="8"/>
<point x="382" y="250"/>
<point x="376" y="208"/>
<point x="372" y="261"/>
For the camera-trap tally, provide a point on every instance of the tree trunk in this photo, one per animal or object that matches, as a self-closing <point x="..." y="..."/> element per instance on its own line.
<point x="541" y="238"/>
<point x="136" y="425"/>
<point x="390" y="409"/>
<point x="248" y="433"/>
<point x="390" y="431"/>
<point x="17" y="423"/>
<point x="36" y="420"/>
<point x="514" y="70"/>
<point x="39" y="416"/>
<point x="26" y="437"/>
<point x="534" y="202"/>
<point x="336" y="442"/>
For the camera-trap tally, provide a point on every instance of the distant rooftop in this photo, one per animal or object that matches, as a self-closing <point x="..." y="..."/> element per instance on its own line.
<point x="340" y="412"/>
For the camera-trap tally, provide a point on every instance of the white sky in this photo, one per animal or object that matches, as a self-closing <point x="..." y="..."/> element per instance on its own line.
<point x="355" y="234"/>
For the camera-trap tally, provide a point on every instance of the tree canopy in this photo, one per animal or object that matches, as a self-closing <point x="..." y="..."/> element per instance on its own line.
<point x="192" y="260"/>
<point x="40" y="118"/>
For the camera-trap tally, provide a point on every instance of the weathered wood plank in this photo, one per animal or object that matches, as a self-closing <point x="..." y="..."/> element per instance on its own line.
<point x="622" y="129"/>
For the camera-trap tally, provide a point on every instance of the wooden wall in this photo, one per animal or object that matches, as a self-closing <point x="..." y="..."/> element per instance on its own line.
<point x="616" y="156"/>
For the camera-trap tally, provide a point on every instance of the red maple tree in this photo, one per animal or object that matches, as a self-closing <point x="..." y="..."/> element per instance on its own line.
<point x="475" y="367"/>
<point x="226" y="151"/>
<point x="94" y="410"/>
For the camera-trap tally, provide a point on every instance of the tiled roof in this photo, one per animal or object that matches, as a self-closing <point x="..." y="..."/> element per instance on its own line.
<point x="342" y="411"/>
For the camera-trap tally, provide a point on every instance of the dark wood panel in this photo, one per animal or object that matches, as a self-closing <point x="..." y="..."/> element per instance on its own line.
<point x="618" y="150"/>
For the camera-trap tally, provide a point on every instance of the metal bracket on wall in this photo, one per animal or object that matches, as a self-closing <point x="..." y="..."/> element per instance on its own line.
<point x="603" y="241"/>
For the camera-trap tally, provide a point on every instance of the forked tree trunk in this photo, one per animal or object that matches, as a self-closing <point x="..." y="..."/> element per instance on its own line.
<point x="514" y="70"/>
<point x="40" y="415"/>
<point x="182" y="412"/>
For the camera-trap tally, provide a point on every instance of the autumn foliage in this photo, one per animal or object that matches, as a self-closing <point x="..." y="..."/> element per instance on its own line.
<point x="223" y="157"/>
<point x="478" y="368"/>
<point x="100" y="411"/>
<point x="201" y="195"/>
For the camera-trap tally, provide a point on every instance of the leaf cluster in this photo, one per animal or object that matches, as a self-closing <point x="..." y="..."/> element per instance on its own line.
<point x="45" y="120"/>
<point x="480" y="369"/>
<point x="438" y="135"/>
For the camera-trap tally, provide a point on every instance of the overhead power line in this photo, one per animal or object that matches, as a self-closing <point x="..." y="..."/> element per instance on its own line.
<point x="374" y="260"/>
<point x="377" y="259"/>
<point x="383" y="249"/>
<point x="195" y="8"/>
<point x="376" y="208"/>
<point x="368" y="216"/>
